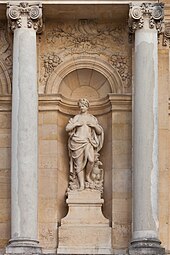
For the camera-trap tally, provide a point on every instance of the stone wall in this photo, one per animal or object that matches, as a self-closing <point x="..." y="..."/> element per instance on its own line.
<point x="74" y="58"/>
<point x="5" y="152"/>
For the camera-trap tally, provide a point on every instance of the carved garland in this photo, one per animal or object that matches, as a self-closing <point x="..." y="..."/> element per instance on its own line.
<point x="166" y="35"/>
<point x="117" y="60"/>
<point x="86" y="37"/>
<point x="50" y="61"/>
<point x="5" y="61"/>
<point x="120" y="63"/>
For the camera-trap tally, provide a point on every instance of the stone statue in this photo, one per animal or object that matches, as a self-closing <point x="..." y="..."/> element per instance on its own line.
<point x="85" y="141"/>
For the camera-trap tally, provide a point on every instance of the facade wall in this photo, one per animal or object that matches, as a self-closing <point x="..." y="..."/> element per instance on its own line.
<point x="67" y="59"/>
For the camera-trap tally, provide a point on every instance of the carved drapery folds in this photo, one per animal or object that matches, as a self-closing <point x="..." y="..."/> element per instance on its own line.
<point x="153" y="12"/>
<point x="24" y="15"/>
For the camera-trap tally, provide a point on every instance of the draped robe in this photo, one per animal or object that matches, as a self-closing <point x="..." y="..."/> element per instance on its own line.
<point x="84" y="141"/>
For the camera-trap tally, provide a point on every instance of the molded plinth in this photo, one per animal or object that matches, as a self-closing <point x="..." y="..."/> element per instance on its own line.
<point x="84" y="230"/>
<point x="146" y="247"/>
<point x="23" y="246"/>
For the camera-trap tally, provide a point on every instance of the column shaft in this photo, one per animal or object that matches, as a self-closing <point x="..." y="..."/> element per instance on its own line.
<point x="145" y="140"/>
<point x="145" y="19"/>
<point x="23" y="20"/>
<point x="24" y="135"/>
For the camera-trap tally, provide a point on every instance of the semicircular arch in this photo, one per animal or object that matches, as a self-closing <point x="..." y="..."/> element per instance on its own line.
<point x="5" y="81"/>
<point x="94" y="63"/>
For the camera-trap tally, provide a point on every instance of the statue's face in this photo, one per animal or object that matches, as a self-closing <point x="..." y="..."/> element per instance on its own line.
<point x="83" y="108"/>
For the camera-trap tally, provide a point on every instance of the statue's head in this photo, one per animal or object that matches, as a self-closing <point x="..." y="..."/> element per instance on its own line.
<point x="83" y="101"/>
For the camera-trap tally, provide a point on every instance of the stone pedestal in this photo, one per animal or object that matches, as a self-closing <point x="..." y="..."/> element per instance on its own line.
<point x="84" y="230"/>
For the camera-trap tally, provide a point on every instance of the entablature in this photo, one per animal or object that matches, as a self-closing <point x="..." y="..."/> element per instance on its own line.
<point x="75" y="9"/>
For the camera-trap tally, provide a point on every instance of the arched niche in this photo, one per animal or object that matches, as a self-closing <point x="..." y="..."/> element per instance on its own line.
<point x="94" y="80"/>
<point x="84" y="62"/>
<point x="97" y="80"/>
<point x="85" y="82"/>
<point x="5" y="82"/>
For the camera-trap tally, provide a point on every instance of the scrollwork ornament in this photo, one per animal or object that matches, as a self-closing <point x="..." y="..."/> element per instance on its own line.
<point x="16" y="12"/>
<point x="157" y="13"/>
<point x="35" y="12"/>
<point x="136" y="12"/>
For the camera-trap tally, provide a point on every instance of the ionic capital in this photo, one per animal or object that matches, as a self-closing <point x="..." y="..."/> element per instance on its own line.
<point x="24" y="15"/>
<point x="149" y="14"/>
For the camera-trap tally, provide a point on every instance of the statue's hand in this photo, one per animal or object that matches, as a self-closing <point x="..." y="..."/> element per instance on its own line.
<point x="78" y="124"/>
<point x="92" y="125"/>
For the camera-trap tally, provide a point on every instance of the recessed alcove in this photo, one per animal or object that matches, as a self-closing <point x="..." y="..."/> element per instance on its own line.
<point x="5" y="81"/>
<point x="85" y="82"/>
<point x="93" y="85"/>
<point x="95" y="79"/>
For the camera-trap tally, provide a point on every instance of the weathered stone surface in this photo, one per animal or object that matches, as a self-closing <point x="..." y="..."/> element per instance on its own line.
<point x="100" y="63"/>
<point x="84" y="229"/>
<point x="144" y="247"/>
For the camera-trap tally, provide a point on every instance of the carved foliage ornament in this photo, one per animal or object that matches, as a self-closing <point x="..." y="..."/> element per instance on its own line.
<point x="85" y="37"/>
<point x="51" y="60"/>
<point x="153" y="12"/>
<point x="5" y="60"/>
<point x="166" y="35"/>
<point x="120" y="63"/>
<point x="26" y="15"/>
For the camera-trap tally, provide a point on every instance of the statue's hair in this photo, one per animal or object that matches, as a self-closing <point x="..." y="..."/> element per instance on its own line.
<point x="83" y="101"/>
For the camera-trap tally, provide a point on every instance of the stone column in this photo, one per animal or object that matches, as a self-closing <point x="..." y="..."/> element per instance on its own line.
<point x="145" y="21"/>
<point x="24" y="20"/>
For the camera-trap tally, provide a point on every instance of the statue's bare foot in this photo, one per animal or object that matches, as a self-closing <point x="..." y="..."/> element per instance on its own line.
<point x="89" y="179"/>
<point x="81" y="188"/>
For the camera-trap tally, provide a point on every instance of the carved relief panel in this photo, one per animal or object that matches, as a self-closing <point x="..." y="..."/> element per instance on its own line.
<point x="68" y="41"/>
<point x="5" y="60"/>
<point x="84" y="59"/>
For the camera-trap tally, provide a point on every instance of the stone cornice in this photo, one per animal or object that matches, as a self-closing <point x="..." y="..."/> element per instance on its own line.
<point x="113" y="102"/>
<point x="56" y="102"/>
<point x="5" y="103"/>
<point x="24" y="15"/>
<point x="47" y="2"/>
<point x="52" y="8"/>
<point x="152" y="13"/>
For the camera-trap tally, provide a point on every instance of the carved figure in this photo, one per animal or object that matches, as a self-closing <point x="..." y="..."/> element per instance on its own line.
<point x="85" y="141"/>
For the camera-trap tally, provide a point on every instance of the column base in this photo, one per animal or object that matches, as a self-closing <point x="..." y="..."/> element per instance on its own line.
<point x="146" y="247"/>
<point x="23" y="246"/>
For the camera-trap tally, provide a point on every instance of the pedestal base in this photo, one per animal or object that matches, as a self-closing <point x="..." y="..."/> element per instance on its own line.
<point x="146" y="247"/>
<point x="84" y="230"/>
<point x="23" y="246"/>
